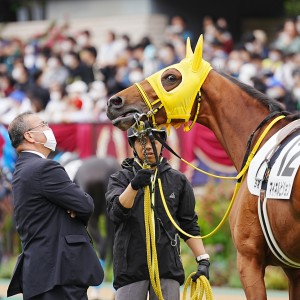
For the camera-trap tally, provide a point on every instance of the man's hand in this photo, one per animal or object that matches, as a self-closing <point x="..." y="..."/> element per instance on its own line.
<point x="203" y="269"/>
<point x="141" y="179"/>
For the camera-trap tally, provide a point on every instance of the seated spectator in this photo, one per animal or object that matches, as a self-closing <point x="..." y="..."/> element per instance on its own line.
<point x="39" y="98"/>
<point x="274" y="60"/>
<point x="77" y="70"/>
<point x="178" y="26"/>
<point x="98" y="94"/>
<point x="296" y="87"/>
<point x="288" y="38"/>
<point x="84" y="39"/>
<point x="6" y="85"/>
<point x="54" y="70"/>
<point x="68" y="44"/>
<point x="88" y="57"/>
<point x="57" y="105"/>
<point x="21" y="76"/>
<point x="167" y="55"/>
<point x="80" y="105"/>
<point x="223" y="35"/>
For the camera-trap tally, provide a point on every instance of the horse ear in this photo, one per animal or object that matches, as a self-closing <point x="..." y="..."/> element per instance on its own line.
<point x="189" y="51"/>
<point x="198" y="55"/>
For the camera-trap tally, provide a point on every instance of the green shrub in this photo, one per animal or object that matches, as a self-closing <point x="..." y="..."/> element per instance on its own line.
<point x="212" y="202"/>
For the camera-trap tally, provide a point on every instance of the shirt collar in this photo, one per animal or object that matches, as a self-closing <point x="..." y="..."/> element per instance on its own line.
<point x="35" y="152"/>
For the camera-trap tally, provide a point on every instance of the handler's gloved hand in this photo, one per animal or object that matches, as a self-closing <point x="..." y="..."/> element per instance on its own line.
<point x="203" y="269"/>
<point x="141" y="179"/>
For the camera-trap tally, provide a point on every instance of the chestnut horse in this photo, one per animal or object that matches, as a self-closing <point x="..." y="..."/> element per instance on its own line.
<point x="191" y="91"/>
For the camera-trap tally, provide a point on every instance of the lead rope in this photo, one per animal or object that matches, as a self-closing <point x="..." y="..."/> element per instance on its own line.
<point x="152" y="261"/>
<point x="149" y="220"/>
<point x="198" y="288"/>
<point x="239" y="178"/>
<point x="202" y="284"/>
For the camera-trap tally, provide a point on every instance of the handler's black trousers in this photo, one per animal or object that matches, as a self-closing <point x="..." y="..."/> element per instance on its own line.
<point x="64" y="292"/>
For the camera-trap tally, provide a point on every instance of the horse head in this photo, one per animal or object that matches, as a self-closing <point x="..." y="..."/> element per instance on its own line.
<point x="166" y="97"/>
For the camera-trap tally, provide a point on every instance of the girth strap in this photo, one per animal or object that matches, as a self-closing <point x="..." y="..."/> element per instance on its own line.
<point x="262" y="208"/>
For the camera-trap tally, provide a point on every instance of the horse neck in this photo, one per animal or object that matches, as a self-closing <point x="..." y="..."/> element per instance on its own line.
<point x="230" y="113"/>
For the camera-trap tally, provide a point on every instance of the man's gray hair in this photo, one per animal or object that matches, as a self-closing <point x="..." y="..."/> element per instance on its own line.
<point x="17" y="128"/>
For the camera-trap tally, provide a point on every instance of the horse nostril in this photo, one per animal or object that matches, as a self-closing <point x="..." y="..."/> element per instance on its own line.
<point x="115" y="101"/>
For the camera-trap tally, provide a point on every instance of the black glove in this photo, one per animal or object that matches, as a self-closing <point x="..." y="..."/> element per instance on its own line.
<point x="141" y="179"/>
<point x="203" y="269"/>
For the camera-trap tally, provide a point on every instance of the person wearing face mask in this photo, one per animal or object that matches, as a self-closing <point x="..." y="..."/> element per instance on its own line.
<point x="125" y="198"/>
<point x="51" y="214"/>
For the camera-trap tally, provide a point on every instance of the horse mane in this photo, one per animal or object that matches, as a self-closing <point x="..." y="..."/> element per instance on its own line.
<point x="272" y="104"/>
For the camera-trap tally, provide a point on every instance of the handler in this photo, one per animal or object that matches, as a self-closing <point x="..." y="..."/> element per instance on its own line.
<point x="125" y="206"/>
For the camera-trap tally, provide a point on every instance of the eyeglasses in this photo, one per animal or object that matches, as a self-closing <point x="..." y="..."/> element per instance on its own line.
<point x="42" y="124"/>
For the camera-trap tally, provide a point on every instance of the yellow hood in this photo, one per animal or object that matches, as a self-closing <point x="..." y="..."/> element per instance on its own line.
<point x="178" y="103"/>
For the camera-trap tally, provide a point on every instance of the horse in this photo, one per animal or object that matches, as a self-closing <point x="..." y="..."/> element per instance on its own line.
<point x="92" y="174"/>
<point x="243" y="120"/>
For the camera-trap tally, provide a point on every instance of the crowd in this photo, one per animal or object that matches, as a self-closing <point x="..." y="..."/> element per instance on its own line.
<point x="65" y="78"/>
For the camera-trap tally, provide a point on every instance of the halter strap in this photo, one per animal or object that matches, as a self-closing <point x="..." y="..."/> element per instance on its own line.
<point x="145" y="97"/>
<point x="152" y="111"/>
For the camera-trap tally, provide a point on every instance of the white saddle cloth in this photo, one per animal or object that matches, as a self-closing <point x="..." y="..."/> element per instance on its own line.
<point x="284" y="170"/>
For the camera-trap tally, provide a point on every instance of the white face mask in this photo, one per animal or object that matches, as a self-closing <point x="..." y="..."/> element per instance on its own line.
<point x="50" y="139"/>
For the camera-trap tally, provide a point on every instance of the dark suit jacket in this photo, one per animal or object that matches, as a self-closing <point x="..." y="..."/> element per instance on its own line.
<point x="56" y="249"/>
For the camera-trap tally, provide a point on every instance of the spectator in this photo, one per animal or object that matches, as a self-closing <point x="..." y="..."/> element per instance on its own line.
<point x="39" y="98"/>
<point x="223" y="35"/>
<point x="88" y="57"/>
<point x="57" y="106"/>
<point x="51" y="214"/>
<point x="98" y="94"/>
<point x="167" y="55"/>
<point x="296" y="87"/>
<point x="84" y="39"/>
<point x="54" y="70"/>
<point x="21" y="76"/>
<point x="80" y="105"/>
<point x="274" y="60"/>
<point x="288" y="38"/>
<point x="69" y="44"/>
<point x="178" y="26"/>
<point x="77" y="70"/>
<point x="6" y="85"/>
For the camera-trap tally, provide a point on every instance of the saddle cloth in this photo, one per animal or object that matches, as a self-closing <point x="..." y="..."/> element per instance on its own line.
<point x="284" y="169"/>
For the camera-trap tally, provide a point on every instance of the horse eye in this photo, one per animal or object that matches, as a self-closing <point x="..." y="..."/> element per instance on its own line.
<point x="171" y="77"/>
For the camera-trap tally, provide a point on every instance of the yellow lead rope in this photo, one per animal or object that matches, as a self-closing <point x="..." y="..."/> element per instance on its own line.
<point x="152" y="261"/>
<point x="241" y="176"/>
<point x="202" y="285"/>
<point x="251" y="155"/>
<point x="198" y="288"/>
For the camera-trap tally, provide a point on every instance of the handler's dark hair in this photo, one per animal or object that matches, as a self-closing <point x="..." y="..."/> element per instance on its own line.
<point x="17" y="128"/>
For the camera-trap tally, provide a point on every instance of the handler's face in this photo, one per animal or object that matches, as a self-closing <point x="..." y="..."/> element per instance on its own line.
<point x="149" y="151"/>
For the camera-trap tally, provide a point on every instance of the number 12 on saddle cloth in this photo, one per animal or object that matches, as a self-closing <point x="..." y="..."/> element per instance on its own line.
<point x="282" y="150"/>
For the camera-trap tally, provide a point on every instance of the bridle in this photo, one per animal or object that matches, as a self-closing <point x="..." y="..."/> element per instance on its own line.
<point x="157" y="104"/>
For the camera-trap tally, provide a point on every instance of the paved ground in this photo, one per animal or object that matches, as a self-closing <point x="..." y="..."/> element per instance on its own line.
<point x="105" y="292"/>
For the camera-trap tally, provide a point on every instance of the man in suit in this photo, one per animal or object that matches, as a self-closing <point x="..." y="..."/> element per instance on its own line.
<point x="51" y="213"/>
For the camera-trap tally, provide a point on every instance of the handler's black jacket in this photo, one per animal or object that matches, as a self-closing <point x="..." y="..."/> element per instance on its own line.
<point x="129" y="254"/>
